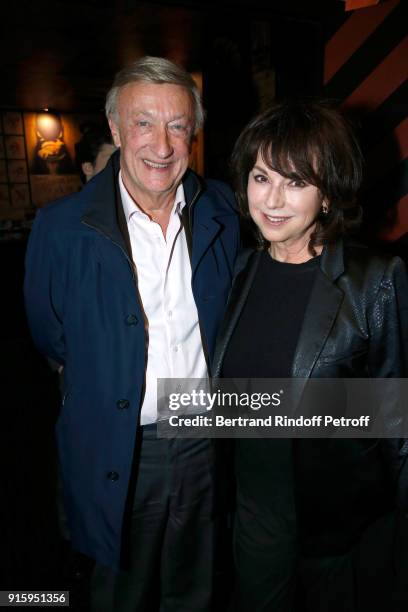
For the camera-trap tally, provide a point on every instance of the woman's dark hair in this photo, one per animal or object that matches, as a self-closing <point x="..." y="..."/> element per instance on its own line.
<point x="311" y="141"/>
<point x="94" y="136"/>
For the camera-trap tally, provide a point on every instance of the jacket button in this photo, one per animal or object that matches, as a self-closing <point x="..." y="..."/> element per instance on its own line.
<point x="131" y="319"/>
<point x="113" y="476"/>
<point x="123" y="404"/>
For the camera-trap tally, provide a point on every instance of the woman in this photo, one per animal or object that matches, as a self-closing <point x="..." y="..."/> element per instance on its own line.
<point x="309" y="303"/>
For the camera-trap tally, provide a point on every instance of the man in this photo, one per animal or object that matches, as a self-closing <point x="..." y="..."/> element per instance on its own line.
<point x="127" y="281"/>
<point x="93" y="150"/>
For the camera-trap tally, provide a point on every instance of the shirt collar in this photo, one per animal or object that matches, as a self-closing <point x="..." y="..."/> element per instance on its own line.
<point x="131" y="208"/>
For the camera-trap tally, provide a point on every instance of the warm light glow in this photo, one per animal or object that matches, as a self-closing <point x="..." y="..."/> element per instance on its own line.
<point x="48" y="126"/>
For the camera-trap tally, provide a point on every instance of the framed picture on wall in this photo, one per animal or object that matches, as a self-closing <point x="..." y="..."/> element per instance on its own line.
<point x="50" y="142"/>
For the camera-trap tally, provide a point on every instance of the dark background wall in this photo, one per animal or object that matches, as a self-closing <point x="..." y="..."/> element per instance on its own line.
<point x="366" y="67"/>
<point x="63" y="55"/>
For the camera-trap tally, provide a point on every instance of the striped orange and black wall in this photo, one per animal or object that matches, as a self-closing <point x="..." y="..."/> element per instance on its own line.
<point x="366" y="67"/>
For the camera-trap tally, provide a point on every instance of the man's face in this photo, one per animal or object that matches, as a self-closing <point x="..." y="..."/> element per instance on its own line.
<point x="154" y="130"/>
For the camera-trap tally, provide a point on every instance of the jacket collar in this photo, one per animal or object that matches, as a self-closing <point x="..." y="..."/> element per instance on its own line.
<point x="101" y="194"/>
<point x="104" y="208"/>
<point x="332" y="260"/>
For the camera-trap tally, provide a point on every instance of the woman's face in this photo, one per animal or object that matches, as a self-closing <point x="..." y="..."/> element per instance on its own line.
<point x="285" y="210"/>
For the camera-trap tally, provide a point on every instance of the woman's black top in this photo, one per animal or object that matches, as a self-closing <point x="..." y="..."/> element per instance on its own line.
<point x="265" y="338"/>
<point x="263" y="346"/>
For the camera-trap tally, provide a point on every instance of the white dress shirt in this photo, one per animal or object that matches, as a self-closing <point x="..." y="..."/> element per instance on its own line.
<point x="174" y="347"/>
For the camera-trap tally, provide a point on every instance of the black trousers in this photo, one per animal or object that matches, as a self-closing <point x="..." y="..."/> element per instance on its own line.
<point x="272" y="574"/>
<point x="171" y="537"/>
<point x="265" y="526"/>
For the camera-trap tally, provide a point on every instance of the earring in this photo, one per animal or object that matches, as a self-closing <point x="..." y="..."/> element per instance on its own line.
<point x="325" y="208"/>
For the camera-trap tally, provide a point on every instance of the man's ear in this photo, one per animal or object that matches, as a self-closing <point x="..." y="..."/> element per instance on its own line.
<point x="88" y="170"/>
<point x="115" y="132"/>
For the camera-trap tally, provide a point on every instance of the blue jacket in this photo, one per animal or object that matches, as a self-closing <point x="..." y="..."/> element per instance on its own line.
<point x="84" y="312"/>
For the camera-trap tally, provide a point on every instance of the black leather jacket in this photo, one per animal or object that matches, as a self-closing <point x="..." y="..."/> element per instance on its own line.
<point x="355" y="326"/>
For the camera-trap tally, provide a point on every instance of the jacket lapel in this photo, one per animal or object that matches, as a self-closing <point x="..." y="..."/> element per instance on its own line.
<point x="205" y="233"/>
<point x="236" y="302"/>
<point x="321" y="312"/>
<point x="208" y="222"/>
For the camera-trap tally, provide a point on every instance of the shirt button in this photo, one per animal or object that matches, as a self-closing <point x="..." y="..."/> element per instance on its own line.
<point x="170" y="314"/>
<point x="123" y="404"/>
<point x="176" y="348"/>
<point x="113" y="476"/>
<point x="131" y="319"/>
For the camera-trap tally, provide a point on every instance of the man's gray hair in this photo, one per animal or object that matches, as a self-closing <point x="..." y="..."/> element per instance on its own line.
<point x="154" y="70"/>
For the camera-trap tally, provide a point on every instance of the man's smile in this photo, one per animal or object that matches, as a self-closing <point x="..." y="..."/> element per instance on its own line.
<point x="156" y="165"/>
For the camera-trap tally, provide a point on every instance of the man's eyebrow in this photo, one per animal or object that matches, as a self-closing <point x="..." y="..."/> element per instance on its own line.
<point x="178" y="117"/>
<point x="148" y="113"/>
